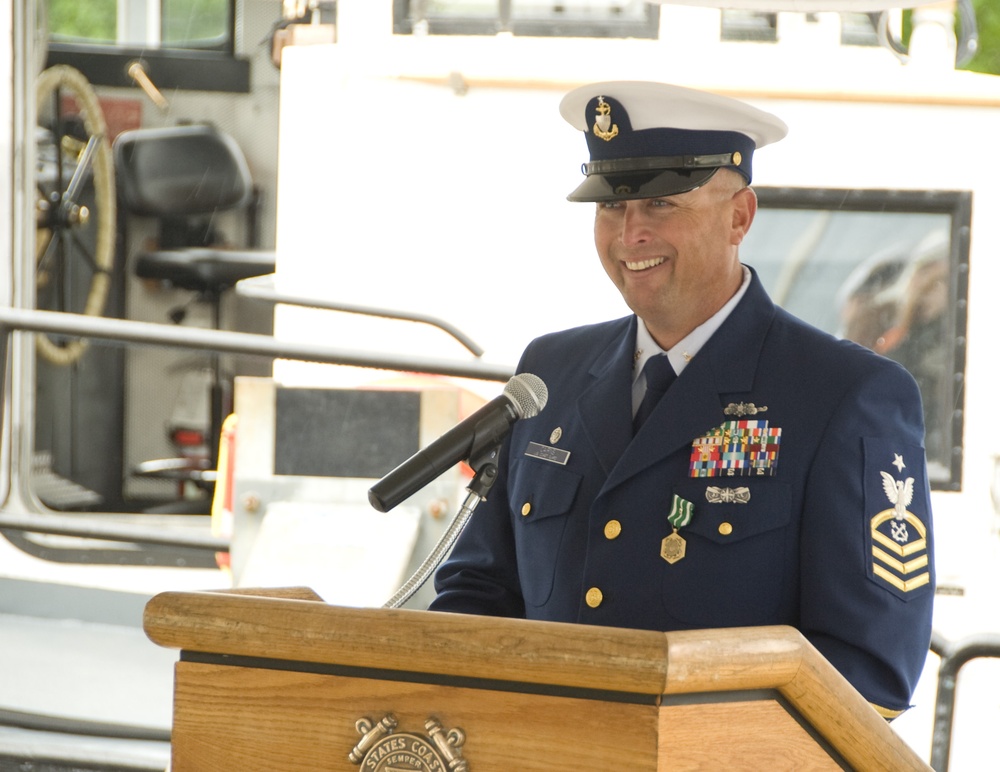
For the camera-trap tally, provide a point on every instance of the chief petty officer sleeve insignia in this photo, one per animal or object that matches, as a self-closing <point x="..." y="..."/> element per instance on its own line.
<point x="900" y="559"/>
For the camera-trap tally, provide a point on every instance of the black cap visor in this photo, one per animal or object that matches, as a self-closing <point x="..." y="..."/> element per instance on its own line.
<point x="623" y="186"/>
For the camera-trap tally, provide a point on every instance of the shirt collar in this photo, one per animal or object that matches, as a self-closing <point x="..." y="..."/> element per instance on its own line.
<point x="691" y="344"/>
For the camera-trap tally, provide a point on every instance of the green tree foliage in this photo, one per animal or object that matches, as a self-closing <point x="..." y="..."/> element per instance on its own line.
<point x="987" y="58"/>
<point x="194" y="23"/>
<point x="91" y="20"/>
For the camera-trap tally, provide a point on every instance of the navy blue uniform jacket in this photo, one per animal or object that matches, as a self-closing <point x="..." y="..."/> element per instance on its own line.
<point x="809" y="534"/>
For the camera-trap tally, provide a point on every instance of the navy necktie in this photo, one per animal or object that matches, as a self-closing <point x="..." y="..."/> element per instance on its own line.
<point x="659" y="376"/>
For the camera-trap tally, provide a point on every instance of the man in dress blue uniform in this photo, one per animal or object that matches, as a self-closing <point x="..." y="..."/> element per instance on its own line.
<point x="779" y="479"/>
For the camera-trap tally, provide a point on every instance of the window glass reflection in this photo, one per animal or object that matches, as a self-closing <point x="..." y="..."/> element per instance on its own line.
<point x="177" y="24"/>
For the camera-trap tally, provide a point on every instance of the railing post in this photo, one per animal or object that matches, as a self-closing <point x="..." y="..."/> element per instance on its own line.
<point x="953" y="657"/>
<point x="5" y="371"/>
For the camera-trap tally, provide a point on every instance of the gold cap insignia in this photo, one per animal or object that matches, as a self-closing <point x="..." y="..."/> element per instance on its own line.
<point x="603" y="128"/>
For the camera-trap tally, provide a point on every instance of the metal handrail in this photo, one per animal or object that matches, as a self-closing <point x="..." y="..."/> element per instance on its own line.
<point x="954" y="655"/>
<point x="224" y="341"/>
<point x="88" y="528"/>
<point x="218" y="341"/>
<point x="262" y="288"/>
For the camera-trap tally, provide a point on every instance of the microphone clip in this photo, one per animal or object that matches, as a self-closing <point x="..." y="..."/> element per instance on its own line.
<point x="484" y="464"/>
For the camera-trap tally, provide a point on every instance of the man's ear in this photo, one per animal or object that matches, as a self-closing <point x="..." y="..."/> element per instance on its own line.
<point x="744" y="209"/>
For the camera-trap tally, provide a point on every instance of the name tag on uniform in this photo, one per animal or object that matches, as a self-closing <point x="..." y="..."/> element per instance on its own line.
<point x="547" y="453"/>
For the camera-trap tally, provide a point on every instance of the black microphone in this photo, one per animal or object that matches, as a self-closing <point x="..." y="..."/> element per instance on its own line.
<point x="524" y="396"/>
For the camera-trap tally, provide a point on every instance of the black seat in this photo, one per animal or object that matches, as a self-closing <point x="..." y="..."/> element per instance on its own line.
<point x="204" y="270"/>
<point x="184" y="176"/>
<point x="181" y="171"/>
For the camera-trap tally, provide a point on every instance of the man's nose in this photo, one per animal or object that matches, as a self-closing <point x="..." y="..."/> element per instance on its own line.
<point x="635" y="224"/>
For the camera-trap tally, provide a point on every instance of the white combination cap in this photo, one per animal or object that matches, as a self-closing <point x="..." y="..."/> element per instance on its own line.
<point x="649" y="139"/>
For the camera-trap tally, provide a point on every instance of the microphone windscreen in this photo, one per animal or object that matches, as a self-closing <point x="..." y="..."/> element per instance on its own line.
<point x="528" y="393"/>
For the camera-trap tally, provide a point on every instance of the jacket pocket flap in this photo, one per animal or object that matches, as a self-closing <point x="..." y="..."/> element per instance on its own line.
<point x="730" y="511"/>
<point x="543" y="490"/>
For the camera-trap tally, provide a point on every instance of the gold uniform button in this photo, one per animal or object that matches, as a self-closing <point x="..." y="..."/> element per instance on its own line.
<point x="612" y="529"/>
<point x="725" y="529"/>
<point x="526" y="509"/>
<point x="594" y="597"/>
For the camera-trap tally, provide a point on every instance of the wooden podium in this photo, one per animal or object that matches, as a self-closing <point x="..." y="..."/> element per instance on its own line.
<point x="279" y="680"/>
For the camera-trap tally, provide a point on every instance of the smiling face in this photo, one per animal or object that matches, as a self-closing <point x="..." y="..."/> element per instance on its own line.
<point x="675" y="259"/>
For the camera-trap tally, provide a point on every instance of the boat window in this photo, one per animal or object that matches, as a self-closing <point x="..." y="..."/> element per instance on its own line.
<point x="749" y="25"/>
<point x="534" y="18"/>
<point x="173" y="24"/>
<point x="181" y="43"/>
<point x="738" y="25"/>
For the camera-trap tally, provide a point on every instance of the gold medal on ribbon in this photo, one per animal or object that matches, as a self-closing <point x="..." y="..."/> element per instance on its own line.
<point x="674" y="546"/>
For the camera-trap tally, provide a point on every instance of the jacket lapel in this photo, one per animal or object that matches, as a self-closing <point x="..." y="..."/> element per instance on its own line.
<point x="605" y="407"/>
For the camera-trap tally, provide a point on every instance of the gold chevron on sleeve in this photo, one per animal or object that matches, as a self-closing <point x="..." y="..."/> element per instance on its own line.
<point x="893" y="562"/>
<point x="895" y="581"/>
<point x="900" y="567"/>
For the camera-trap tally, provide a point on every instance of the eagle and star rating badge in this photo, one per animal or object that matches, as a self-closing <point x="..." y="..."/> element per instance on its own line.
<point x="900" y="557"/>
